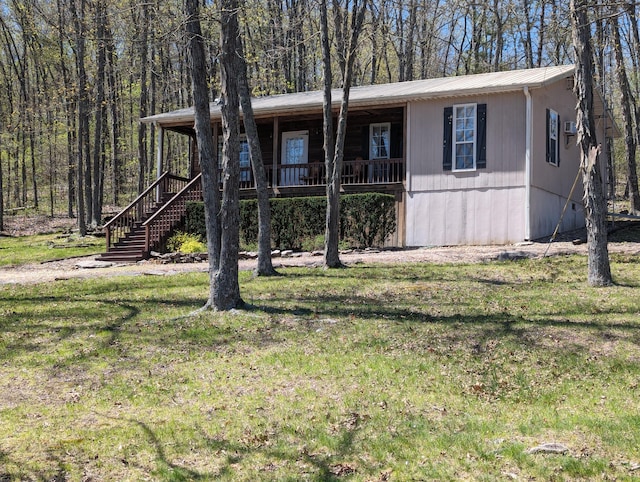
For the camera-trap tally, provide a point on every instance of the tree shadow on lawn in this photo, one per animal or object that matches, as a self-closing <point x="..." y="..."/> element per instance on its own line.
<point x="33" y="323"/>
<point x="472" y="330"/>
<point x="328" y="466"/>
<point x="59" y="473"/>
<point x="41" y="325"/>
<point x="131" y="318"/>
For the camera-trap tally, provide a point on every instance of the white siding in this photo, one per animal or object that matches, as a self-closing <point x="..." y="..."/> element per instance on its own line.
<point x="481" y="207"/>
<point x="545" y="214"/>
<point x="551" y="185"/>
<point x="447" y="218"/>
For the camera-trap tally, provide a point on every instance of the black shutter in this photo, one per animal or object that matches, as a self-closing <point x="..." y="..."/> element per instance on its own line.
<point x="481" y="142"/>
<point x="447" y="139"/>
<point x="548" y="152"/>
<point x="396" y="141"/>
<point x="558" y="141"/>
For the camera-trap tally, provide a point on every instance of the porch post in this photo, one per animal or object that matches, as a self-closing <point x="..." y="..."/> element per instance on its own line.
<point x="275" y="175"/>
<point x="159" y="155"/>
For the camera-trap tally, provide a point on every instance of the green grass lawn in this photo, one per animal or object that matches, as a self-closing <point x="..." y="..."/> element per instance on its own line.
<point x="15" y="251"/>
<point x="372" y="373"/>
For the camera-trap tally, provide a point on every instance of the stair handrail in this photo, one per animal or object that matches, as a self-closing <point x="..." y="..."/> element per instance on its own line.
<point x="135" y="203"/>
<point x="155" y="217"/>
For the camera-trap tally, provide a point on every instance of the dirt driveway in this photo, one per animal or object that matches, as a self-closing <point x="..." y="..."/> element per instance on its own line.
<point x="624" y="239"/>
<point x="68" y="269"/>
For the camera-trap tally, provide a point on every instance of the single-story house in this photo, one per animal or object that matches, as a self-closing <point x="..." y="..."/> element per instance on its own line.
<point x="478" y="159"/>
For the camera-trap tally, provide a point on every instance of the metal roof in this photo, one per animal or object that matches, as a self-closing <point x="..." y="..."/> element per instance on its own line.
<point x="380" y="94"/>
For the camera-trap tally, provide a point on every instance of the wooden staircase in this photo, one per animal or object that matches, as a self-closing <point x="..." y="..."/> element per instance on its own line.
<point x="130" y="249"/>
<point x="149" y="220"/>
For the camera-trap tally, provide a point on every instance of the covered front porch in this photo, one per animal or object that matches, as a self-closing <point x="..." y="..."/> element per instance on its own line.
<point x="293" y="155"/>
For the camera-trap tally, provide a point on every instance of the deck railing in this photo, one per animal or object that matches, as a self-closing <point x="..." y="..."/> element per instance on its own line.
<point x="374" y="171"/>
<point x="171" y="214"/>
<point x="176" y="191"/>
<point x="141" y="207"/>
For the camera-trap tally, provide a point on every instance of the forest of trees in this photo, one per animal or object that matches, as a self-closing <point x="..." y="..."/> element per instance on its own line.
<point x="76" y="75"/>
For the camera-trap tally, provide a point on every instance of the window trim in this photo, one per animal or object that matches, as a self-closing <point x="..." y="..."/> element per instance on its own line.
<point x="372" y="127"/>
<point x="455" y="142"/>
<point x="291" y="176"/>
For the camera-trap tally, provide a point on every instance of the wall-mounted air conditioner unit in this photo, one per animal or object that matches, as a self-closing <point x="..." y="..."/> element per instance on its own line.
<point x="570" y="128"/>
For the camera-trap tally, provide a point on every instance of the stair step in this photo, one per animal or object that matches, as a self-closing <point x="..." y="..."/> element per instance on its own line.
<point x="135" y="237"/>
<point x="122" y="258"/>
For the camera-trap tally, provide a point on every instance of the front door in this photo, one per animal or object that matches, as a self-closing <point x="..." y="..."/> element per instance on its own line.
<point x="295" y="154"/>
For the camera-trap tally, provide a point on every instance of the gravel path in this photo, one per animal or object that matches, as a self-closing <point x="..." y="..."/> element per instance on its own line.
<point x="68" y="269"/>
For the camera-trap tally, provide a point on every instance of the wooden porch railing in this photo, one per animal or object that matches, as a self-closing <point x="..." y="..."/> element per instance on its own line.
<point x="361" y="171"/>
<point x="148" y="212"/>
<point x="171" y="214"/>
<point x="141" y="207"/>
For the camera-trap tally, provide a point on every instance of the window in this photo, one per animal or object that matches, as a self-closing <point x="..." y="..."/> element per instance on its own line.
<point x="553" y="137"/>
<point x="245" y="160"/>
<point x="380" y="137"/>
<point x="464" y="146"/>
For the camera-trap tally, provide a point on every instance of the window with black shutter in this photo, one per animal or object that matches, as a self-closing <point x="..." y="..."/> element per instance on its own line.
<point x="465" y="137"/>
<point x="553" y="138"/>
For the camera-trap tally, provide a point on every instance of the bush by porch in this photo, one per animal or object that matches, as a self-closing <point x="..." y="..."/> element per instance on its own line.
<point x="367" y="220"/>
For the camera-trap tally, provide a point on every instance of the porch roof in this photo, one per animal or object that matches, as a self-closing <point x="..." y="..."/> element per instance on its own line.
<point x="385" y="94"/>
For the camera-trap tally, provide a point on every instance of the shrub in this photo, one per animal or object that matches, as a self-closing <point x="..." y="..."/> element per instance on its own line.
<point x="366" y="221"/>
<point x="186" y="243"/>
<point x="192" y="246"/>
<point x="315" y="243"/>
<point x="194" y="219"/>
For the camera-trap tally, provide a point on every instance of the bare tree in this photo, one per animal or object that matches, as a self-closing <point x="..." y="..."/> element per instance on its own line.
<point x="100" y="115"/>
<point x="226" y="286"/>
<point x="83" y="114"/>
<point x="143" y="45"/>
<point x="599" y="271"/>
<point x="204" y="137"/>
<point x="630" y="9"/>
<point x="264" y="266"/>
<point x="1" y="196"/>
<point x="627" y="102"/>
<point x="69" y="117"/>
<point x="334" y="151"/>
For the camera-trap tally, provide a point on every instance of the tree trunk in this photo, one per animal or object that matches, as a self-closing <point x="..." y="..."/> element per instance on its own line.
<point x="227" y="288"/>
<point x="528" y="39"/>
<point x="1" y="193"/>
<point x="78" y="19"/>
<point x="100" y="114"/>
<point x="68" y="113"/>
<point x="204" y="139"/>
<point x="409" y="51"/>
<point x="115" y="117"/>
<point x="631" y="13"/>
<point x="599" y="272"/>
<point x="375" y="25"/>
<point x="541" y="25"/>
<point x="347" y="52"/>
<point x="142" y="128"/>
<point x="627" y="116"/>
<point x="265" y="266"/>
<point x="329" y="144"/>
